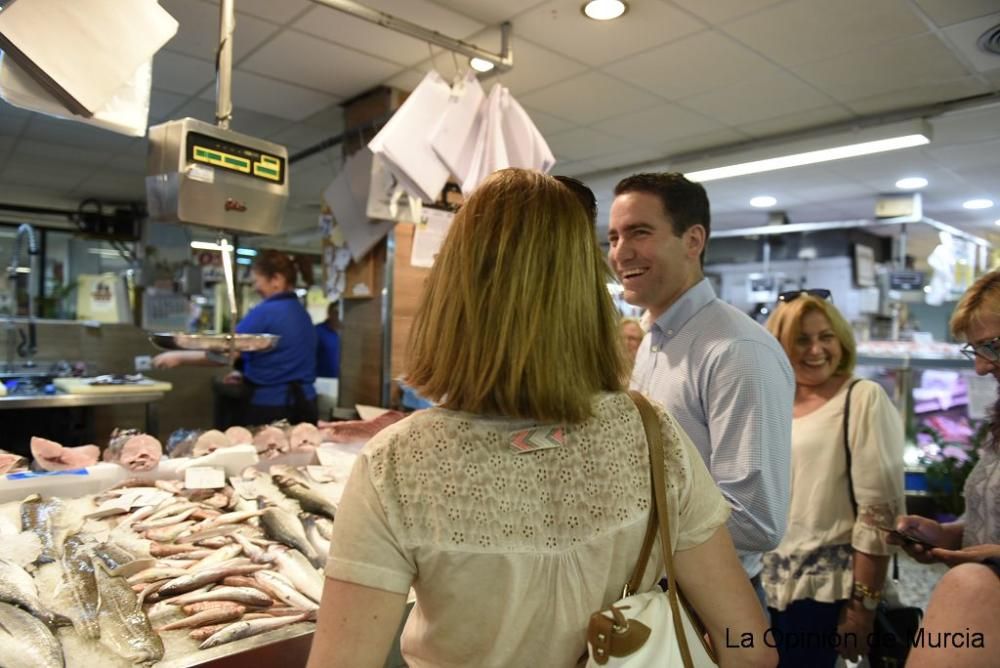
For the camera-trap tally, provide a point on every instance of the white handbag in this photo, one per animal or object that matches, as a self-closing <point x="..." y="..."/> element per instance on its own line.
<point x="652" y="629"/>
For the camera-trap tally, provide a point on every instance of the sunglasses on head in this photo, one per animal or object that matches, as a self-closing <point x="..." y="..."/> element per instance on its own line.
<point x="989" y="350"/>
<point x="792" y="295"/>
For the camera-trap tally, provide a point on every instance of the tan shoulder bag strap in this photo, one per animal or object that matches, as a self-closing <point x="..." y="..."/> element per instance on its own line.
<point x="654" y="437"/>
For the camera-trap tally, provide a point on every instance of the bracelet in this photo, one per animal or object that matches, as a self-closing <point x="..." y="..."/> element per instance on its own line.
<point x="862" y="591"/>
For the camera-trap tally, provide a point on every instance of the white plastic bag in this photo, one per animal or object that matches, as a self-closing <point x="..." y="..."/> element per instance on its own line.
<point x="127" y="112"/>
<point x="454" y="138"/>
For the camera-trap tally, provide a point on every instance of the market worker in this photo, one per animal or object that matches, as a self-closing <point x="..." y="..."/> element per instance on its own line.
<point x="278" y="382"/>
<point x="967" y="598"/>
<point x="725" y="379"/>
<point x="517" y="507"/>
<point x="328" y="344"/>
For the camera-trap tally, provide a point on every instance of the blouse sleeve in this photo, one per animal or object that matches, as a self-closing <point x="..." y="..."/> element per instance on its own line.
<point x="876" y="442"/>
<point x="701" y="508"/>
<point x="363" y="549"/>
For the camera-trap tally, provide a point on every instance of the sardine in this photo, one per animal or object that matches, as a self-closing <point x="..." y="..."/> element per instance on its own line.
<point x="310" y="498"/>
<point x="283" y="526"/>
<point x="245" y="629"/>
<point x="78" y="571"/>
<point x="37" y="516"/>
<point x="125" y="629"/>
<point x="25" y="642"/>
<point x="18" y="588"/>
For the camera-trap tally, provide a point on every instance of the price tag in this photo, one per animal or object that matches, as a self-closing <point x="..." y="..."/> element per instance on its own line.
<point x="204" y="477"/>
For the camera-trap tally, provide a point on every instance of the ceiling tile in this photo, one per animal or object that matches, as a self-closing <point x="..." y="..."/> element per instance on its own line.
<point x="541" y="66"/>
<point x="73" y="133"/>
<point x="797" y="121"/>
<point x="589" y="98"/>
<point x="60" y="153"/>
<point x="573" y="167"/>
<point x="248" y="122"/>
<point x="561" y="26"/>
<point x="908" y="63"/>
<point x="758" y="99"/>
<point x="129" y="162"/>
<point x="177" y="73"/>
<point x="114" y="185"/>
<point x="658" y="125"/>
<point x="709" y="140"/>
<point x="268" y="96"/>
<point x="409" y="79"/>
<point x="275" y="12"/>
<point x="626" y="159"/>
<point x="11" y="125"/>
<point x="964" y="38"/>
<point x="198" y="34"/>
<point x="965" y="127"/>
<point x="718" y="12"/>
<point x="489" y="12"/>
<point x="948" y="12"/>
<point x="547" y="123"/>
<point x="313" y="63"/>
<point x="964" y="156"/>
<point x="919" y="95"/>
<point x="803" y="31"/>
<point x="162" y="104"/>
<point x="303" y="135"/>
<point x="692" y="65"/>
<point x="583" y="143"/>
<point x="341" y="28"/>
<point x="36" y="171"/>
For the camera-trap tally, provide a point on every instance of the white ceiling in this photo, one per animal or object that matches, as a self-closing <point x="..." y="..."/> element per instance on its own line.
<point x="671" y="77"/>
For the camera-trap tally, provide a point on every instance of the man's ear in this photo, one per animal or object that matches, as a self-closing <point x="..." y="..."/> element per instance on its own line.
<point x="694" y="240"/>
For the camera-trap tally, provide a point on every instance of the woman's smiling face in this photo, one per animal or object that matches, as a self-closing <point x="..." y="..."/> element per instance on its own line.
<point x="817" y="351"/>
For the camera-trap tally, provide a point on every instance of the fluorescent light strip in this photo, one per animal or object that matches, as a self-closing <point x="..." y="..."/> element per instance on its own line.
<point x="208" y="245"/>
<point x="808" y="158"/>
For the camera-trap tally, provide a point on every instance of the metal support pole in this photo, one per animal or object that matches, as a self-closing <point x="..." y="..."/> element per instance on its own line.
<point x="224" y="65"/>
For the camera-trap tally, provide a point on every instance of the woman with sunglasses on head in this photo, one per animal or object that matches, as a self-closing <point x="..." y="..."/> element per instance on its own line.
<point x="968" y="595"/>
<point x="824" y="581"/>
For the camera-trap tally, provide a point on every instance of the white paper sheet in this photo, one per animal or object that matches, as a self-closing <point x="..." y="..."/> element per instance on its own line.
<point x="347" y="197"/>
<point x="429" y="235"/>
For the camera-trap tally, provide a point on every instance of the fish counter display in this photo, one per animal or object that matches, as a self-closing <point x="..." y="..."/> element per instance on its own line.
<point x="151" y="571"/>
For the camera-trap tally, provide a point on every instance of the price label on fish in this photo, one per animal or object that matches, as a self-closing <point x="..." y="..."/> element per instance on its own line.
<point x="204" y="477"/>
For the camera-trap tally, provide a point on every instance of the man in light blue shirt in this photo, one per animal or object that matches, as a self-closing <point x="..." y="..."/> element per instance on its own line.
<point x="724" y="378"/>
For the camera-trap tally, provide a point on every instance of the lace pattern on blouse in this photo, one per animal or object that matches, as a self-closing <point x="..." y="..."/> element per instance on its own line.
<point x="451" y="479"/>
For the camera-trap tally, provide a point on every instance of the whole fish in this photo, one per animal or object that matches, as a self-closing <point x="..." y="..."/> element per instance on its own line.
<point x="18" y="588"/>
<point x="310" y="498"/>
<point x="187" y="583"/>
<point x="169" y="549"/>
<point x="285" y="590"/>
<point x="294" y="566"/>
<point x="216" y="615"/>
<point x="168" y="534"/>
<point x="125" y="629"/>
<point x="155" y="574"/>
<point x="244" y="595"/>
<point x="214" y="557"/>
<point x="283" y="526"/>
<point x="205" y="632"/>
<point x="166" y="520"/>
<point x="38" y="517"/>
<point x="119" y="561"/>
<point x="316" y="539"/>
<point x="245" y="629"/>
<point x="25" y="642"/>
<point x="211" y="532"/>
<point x="78" y="572"/>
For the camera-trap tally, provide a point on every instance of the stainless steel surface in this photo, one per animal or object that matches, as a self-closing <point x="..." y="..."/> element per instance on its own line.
<point x="224" y="65"/>
<point x="63" y="400"/>
<point x="387" y="290"/>
<point x="243" y="343"/>
<point x="179" y="190"/>
<point x="244" y="646"/>
<point x="227" y="269"/>
<point x="503" y="61"/>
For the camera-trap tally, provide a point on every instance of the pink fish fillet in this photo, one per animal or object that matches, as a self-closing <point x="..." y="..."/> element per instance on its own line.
<point x="141" y="453"/>
<point x="270" y="441"/>
<point x="52" y="456"/>
<point x="9" y="462"/>
<point x="304" y="435"/>
<point x="239" y="435"/>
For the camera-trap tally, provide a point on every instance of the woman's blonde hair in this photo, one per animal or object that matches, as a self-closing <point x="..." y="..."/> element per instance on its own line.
<point x="981" y="299"/>
<point x="786" y="325"/>
<point x="516" y="319"/>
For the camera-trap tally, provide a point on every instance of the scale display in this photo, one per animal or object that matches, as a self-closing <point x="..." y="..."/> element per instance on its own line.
<point x="235" y="158"/>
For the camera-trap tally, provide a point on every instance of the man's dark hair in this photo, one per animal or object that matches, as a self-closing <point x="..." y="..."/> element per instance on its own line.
<point x="583" y="193"/>
<point x="685" y="202"/>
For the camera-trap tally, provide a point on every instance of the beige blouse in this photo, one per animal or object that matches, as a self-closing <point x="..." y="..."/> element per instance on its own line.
<point x="509" y="553"/>
<point x="814" y="559"/>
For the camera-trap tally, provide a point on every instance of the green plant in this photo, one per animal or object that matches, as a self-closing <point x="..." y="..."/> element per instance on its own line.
<point x="948" y="464"/>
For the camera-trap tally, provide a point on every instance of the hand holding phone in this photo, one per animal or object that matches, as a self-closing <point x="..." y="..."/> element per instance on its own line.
<point x="908" y="538"/>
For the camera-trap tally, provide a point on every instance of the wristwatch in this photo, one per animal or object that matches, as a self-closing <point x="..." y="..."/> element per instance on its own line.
<point x="869" y="597"/>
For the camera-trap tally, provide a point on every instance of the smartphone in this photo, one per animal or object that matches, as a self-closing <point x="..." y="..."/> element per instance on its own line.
<point x="908" y="538"/>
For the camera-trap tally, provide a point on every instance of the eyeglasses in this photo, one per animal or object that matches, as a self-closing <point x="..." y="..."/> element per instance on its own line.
<point x="792" y="295"/>
<point x="988" y="350"/>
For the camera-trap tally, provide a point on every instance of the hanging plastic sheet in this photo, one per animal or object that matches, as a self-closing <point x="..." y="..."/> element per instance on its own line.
<point x="347" y="197"/>
<point x="490" y="149"/>
<point x="404" y="142"/>
<point x="454" y="138"/>
<point x="526" y="148"/>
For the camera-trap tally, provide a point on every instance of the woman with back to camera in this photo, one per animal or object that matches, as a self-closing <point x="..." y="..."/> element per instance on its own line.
<point x="517" y="507"/>
<point x="827" y="574"/>
<point x="967" y="599"/>
<point x="278" y="383"/>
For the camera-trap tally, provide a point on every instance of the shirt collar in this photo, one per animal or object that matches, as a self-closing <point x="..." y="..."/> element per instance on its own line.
<point x="693" y="300"/>
<point x="281" y="295"/>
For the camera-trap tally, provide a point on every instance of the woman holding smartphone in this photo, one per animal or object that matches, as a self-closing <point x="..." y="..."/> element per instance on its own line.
<point x="968" y="596"/>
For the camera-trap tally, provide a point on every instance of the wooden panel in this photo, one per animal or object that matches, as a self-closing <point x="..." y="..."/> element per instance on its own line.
<point x="361" y="343"/>
<point x="408" y="289"/>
